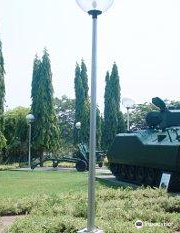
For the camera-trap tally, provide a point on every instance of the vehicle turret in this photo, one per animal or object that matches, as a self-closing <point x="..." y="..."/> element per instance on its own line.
<point x="164" y="118"/>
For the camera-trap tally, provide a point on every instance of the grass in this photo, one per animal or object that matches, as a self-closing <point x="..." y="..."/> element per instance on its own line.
<point x="17" y="184"/>
<point x="56" y="202"/>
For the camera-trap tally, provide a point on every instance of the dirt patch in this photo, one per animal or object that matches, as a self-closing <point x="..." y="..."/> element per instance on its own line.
<point x="7" y="221"/>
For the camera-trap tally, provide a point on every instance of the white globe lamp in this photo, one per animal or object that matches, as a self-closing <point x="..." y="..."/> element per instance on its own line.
<point x="128" y="104"/>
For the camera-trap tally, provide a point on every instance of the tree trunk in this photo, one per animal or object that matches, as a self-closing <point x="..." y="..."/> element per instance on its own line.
<point x="41" y="157"/>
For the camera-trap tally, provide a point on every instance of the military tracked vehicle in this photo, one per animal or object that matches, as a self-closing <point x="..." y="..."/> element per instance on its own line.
<point x="142" y="156"/>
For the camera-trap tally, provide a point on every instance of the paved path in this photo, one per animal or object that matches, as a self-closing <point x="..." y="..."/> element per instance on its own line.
<point x="7" y="221"/>
<point x="44" y="169"/>
<point x="110" y="179"/>
<point x="102" y="170"/>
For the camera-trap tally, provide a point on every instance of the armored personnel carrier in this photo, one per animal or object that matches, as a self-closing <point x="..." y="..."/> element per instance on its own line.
<point x="142" y="156"/>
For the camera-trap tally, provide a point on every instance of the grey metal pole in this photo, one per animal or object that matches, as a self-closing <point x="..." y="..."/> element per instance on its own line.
<point x="127" y="119"/>
<point x="29" y="158"/>
<point x="91" y="181"/>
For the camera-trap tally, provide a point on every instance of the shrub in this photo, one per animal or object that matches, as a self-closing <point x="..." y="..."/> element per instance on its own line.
<point x="42" y="224"/>
<point x="8" y="167"/>
<point x="117" y="211"/>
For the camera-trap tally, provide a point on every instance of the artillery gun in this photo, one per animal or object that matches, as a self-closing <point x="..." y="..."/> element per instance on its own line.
<point x="80" y="158"/>
<point x="142" y="156"/>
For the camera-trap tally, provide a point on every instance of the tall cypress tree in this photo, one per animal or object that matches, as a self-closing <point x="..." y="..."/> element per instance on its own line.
<point x="85" y="120"/>
<point x="84" y="78"/>
<point x="81" y="103"/>
<point x="116" y="95"/>
<point x="46" y="136"/>
<point x="115" y="86"/>
<point x="2" y="97"/>
<point x="82" y="110"/>
<point x="79" y="94"/>
<point x="107" y="121"/>
<point x="2" y="86"/>
<point x="113" y="118"/>
<point x="35" y="81"/>
<point x="98" y="128"/>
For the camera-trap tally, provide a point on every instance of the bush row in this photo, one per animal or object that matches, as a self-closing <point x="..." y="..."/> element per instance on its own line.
<point x="117" y="210"/>
<point x="7" y="167"/>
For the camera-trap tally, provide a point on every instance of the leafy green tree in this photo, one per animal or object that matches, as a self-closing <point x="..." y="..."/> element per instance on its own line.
<point x="2" y="98"/>
<point x="113" y="117"/>
<point x="16" y="133"/>
<point x="2" y="141"/>
<point x="65" y="109"/>
<point x="46" y="134"/>
<point x="172" y="104"/>
<point x="138" y="114"/>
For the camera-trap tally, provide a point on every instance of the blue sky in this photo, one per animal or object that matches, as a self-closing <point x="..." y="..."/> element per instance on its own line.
<point x="141" y="36"/>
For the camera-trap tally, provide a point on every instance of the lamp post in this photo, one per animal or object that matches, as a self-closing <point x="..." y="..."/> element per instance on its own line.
<point x="128" y="104"/>
<point x="78" y="127"/>
<point x="30" y="118"/>
<point x="93" y="8"/>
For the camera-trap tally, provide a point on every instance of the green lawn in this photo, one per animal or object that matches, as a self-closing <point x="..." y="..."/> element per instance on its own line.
<point x="56" y="202"/>
<point x="17" y="184"/>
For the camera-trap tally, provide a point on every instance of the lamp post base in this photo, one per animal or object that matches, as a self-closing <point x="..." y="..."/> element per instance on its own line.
<point x="94" y="231"/>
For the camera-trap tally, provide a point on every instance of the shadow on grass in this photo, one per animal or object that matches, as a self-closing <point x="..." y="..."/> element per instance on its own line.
<point x="108" y="182"/>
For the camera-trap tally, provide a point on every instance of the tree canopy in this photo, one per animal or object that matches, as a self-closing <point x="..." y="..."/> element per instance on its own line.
<point x="16" y="133"/>
<point x="65" y="110"/>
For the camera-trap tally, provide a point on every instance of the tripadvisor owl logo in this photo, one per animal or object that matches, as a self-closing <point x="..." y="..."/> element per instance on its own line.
<point x="138" y="224"/>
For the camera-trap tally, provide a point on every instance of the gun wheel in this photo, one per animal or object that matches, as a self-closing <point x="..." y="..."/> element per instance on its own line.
<point x="55" y="164"/>
<point x="81" y="166"/>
